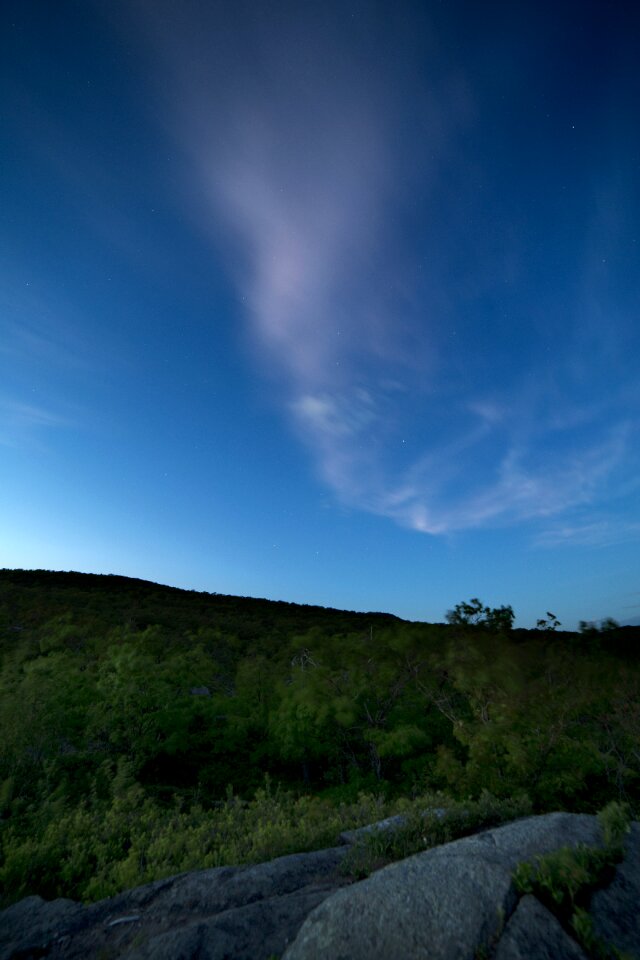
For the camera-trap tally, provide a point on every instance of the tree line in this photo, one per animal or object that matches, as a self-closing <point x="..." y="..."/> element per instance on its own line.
<point x="214" y="695"/>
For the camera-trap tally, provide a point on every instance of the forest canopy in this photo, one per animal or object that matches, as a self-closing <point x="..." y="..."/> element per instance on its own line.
<point x="131" y="712"/>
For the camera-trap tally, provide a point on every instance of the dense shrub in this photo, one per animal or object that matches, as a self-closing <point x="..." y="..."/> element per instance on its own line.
<point x="128" y="711"/>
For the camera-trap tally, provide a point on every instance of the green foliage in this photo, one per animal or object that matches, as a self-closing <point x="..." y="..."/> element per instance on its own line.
<point x="550" y="625"/>
<point x="615" y="820"/>
<point x="423" y="828"/>
<point x="595" y="947"/>
<point x="604" y="626"/>
<point x="98" y="848"/>
<point x="473" y="613"/>
<point x="562" y="875"/>
<point x="127" y="708"/>
<point x="564" y="879"/>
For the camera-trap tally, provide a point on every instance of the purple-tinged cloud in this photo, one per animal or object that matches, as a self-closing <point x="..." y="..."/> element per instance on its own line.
<point x="342" y="233"/>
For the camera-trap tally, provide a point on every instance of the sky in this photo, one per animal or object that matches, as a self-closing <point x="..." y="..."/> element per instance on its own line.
<point x="332" y="303"/>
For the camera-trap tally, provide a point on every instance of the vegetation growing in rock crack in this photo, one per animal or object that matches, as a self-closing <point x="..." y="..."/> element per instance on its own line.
<point x="565" y="879"/>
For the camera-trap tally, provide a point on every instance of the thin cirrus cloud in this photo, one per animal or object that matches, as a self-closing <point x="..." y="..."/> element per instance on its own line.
<point x="306" y="177"/>
<point x="21" y="423"/>
<point x="18" y="414"/>
<point x="596" y="533"/>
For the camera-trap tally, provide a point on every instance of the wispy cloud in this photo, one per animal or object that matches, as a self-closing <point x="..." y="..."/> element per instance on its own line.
<point x="38" y="341"/>
<point x="19" y="414"/>
<point x="24" y="423"/>
<point x="596" y="533"/>
<point x="308" y="179"/>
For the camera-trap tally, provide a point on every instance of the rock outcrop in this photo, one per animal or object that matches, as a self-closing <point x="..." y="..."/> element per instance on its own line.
<point x="243" y="912"/>
<point x="452" y="902"/>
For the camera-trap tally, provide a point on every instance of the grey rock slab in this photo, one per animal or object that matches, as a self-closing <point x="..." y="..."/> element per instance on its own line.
<point x="205" y="892"/>
<point x="616" y="909"/>
<point x="533" y="933"/>
<point x="358" y="833"/>
<point x="442" y="904"/>
<point x="253" y="932"/>
<point x="527" y="838"/>
<point x="70" y="930"/>
<point x="32" y="923"/>
<point x="389" y="823"/>
<point x="425" y="906"/>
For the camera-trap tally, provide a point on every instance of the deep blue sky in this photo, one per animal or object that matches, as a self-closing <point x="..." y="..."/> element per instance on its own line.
<point x="331" y="303"/>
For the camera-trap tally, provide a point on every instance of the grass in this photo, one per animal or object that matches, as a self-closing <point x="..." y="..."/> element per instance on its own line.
<point x="95" y="851"/>
<point x="424" y="829"/>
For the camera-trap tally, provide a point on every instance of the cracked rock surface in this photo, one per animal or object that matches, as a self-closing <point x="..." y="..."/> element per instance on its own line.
<point x="452" y="902"/>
